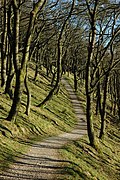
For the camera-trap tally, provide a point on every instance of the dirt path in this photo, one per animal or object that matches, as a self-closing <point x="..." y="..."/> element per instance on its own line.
<point x="42" y="161"/>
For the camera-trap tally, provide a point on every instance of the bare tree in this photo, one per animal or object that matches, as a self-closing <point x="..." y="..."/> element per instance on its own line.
<point x="59" y="59"/>
<point x="20" y="69"/>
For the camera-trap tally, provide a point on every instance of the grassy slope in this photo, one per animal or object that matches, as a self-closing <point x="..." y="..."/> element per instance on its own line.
<point x="55" y="117"/>
<point x="87" y="163"/>
<point x="84" y="162"/>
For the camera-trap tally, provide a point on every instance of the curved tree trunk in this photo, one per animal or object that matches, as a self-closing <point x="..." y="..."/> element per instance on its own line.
<point x="21" y="71"/>
<point x="28" y="95"/>
<point x="59" y="62"/>
<point x="56" y="86"/>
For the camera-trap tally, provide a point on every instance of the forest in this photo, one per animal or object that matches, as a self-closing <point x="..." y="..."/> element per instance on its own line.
<point x="44" y="41"/>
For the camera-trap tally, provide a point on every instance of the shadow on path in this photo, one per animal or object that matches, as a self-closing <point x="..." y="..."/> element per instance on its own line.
<point x="42" y="161"/>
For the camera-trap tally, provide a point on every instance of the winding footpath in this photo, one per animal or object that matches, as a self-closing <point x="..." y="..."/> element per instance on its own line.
<point x="43" y="161"/>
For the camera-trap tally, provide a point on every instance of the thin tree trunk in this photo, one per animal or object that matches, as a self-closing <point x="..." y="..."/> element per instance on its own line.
<point x="37" y="66"/>
<point x="98" y="102"/>
<point x="118" y="93"/>
<point x="75" y="78"/>
<point x="59" y="62"/>
<point x="36" y="72"/>
<point x="28" y="95"/>
<point x="4" y="47"/>
<point x="103" y="122"/>
<point x="17" y="98"/>
<point x="53" y="78"/>
<point x="8" y="87"/>
<point x="21" y="72"/>
<point x="56" y="86"/>
<point x="10" y="74"/>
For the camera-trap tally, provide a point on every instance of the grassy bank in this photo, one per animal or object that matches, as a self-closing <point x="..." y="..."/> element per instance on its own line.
<point x="57" y="116"/>
<point x="84" y="162"/>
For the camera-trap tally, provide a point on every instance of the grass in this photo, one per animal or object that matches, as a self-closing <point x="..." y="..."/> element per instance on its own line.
<point x="84" y="162"/>
<point x="52" y="119"/>
<point x="92" y="164"/>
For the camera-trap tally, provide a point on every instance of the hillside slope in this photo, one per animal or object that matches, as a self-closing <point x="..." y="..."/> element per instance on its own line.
<point x="57" y="116"/>
<point x="90" y="164"/>
<point x="80" y="160"/>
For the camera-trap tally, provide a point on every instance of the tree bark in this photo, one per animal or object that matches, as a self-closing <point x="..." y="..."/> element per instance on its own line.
<point x="118" y="93"/>
<point x="98" y="102"/>
<point x="59" y="62"/>
<point x="92" y="36"/>
<point x="75" y="78"/>
<point x="4" y="46"/>
<point x="17" y="97"/>
<point x="10" y="74"/>
<point x="89" y="113"/>
<point x="21" y="71"/>
<point x="28" y="95"/>
<point x="103" y="122"/>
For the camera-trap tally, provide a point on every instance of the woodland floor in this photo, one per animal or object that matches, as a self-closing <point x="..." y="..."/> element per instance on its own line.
<point x="43" y="160"/>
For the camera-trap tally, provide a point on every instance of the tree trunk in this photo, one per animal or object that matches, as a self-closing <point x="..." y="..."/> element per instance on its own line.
<point x="8" y="87"/>
<point x="53" y="78"/>
<point x="90" y="127"/>
<point x="89" y="116"/>
<point x="118" y="93"/>
<point x="103" y="122"/>
<point x="10" y="74"/>
<point x="28" y="95"/>
<point x="36" y="72"/>
<point x="59" y="71"/>
<point x="17" y="97"/>
<point x="21" y="71"/>
<point x="15" y="47"/>
<point x="75" y="79"/>
<point x="91" y="45"/>
<point x="4" y="47"/>
<point x="59" y="61"/>
<point x="98" y="102"/>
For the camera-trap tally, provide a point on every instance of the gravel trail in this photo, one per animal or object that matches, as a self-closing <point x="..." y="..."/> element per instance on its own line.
<point x="43" y="161"/>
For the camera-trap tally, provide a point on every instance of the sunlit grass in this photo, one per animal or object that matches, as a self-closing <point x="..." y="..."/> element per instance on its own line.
<point x="54" y="118"/>
<point x="87" y="163"/>
<point x="83" y="161"/>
